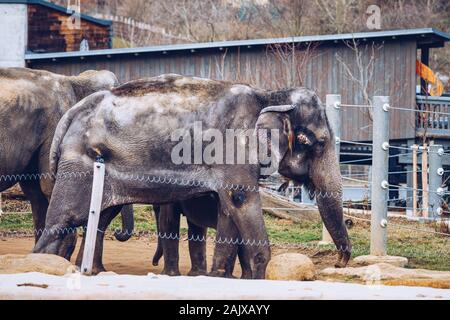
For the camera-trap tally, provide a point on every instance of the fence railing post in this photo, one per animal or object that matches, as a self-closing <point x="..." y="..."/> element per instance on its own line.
<point x="435" y="179"/>
<point x="414" y="179"/>
<point x="333" y="110"/>
<point x="380" y="167"/>
<point x="94" y="216"/>
<point x="425" y="184"/>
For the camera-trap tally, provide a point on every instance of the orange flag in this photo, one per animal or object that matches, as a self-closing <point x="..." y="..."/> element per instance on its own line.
<point x="425" y="73"/>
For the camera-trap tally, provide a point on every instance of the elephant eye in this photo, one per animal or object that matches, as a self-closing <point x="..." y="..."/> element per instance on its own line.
<point x="303" y="139"/>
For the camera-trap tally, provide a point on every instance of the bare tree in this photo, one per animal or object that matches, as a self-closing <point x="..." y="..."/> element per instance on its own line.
<point x="363" y="76"/>
<point x="293" y="58"/>
<point x="338" y="13"/>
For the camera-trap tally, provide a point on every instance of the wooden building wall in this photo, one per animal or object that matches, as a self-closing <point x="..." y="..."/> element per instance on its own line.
<point x="49" y="31"/>
<point x="393" y="75"/>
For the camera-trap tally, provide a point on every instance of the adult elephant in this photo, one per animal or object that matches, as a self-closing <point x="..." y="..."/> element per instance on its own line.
<point x="31" y="104"/>
<point x="309" y="151"/>
<point x="132" y="127"/>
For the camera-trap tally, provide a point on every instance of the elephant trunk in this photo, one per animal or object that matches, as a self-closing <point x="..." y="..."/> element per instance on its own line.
<point x="127" y="224"/>
<point x="327" y="181"/>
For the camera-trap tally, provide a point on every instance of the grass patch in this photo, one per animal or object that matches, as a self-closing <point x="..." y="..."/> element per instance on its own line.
<point x="285" y="231"/>
<point x="22" y="222"/>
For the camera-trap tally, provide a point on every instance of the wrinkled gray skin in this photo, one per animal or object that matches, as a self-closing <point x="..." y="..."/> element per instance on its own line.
<point x="201" y="214"/>
<point x="31" y="104"/>
<point x="130" y="127"/>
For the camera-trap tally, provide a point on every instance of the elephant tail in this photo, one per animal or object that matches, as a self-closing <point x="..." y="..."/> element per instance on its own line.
<point x="159" y="249"/>
<point x="64" y="123"/>
<point x="127" y="224"/>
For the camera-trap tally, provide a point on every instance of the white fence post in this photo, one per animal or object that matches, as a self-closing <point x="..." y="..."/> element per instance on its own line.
<point x="94" y="216"/>
<point x="333" y="110"/>
<point x="435" y="180"/>
<point x="380" y="168"/>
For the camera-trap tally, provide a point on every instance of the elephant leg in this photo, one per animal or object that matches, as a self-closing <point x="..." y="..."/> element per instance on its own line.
<point x="197" y="249"/>
<point x="169" y="232"/>
<point x="240" y="222"/>
<point x="68" y="245"/>
<point x="245" y="266"/>
<point x="97" y="264"/>
<point x="39" y="205"/>
<point x="127" y="214"/>
<point x="105" y="220"/>
<point x="225" y="250"/>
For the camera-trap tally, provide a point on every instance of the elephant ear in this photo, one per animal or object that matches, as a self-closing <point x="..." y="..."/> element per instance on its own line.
<point x="275" y="137"/>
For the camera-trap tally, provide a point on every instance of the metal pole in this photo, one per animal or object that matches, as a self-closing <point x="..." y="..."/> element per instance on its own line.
<point x="94" y="216"/>
<point x="380" y="168"/>
<point x="333" y="110"/>
<point x="436" y="172"/>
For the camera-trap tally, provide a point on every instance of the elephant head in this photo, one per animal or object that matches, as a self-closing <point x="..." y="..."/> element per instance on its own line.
<point x="306" y="154"/>
<point x="91" y="81"/>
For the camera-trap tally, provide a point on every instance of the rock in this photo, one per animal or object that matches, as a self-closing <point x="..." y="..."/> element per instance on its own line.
<point x="44" y="263"/>
<point x="393" y="260"/>
<point x="384" y="273"/>
<point x="291" y="266"/>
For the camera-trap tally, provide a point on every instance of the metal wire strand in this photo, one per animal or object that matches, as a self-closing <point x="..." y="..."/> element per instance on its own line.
<point x="357" y="143"/>
<point x="354" y="161"/>
<point x="419" y="111"/>
<point x="399" y="226"/>
<point x="355" y="105"/>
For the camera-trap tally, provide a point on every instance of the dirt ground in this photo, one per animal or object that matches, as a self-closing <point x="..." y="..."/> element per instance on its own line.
<point x="135" y="256"/>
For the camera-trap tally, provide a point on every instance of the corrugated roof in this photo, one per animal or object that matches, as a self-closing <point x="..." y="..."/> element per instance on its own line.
<point x="425" y="37"/>
<point x="58" y="8"/>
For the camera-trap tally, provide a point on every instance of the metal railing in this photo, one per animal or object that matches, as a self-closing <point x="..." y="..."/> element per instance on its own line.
<point x="435" y="118"/>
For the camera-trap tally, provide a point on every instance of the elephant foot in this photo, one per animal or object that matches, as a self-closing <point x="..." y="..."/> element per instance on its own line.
<point x="195" y="273"/>
<point x="246" y="275"/>
<point x="171" y="273"/>
<point x="97" y="269"/>
<point x="221" y="274"/>
<point x="343" y="259"/>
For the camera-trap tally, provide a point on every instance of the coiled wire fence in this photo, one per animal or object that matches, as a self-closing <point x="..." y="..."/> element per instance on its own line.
<point x="425" y="231"/>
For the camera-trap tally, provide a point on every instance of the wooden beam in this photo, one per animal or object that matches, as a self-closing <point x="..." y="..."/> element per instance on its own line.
<point x="424" y="58"/>
<point x="414" y="155"/>
<point x="425" y="181"/>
